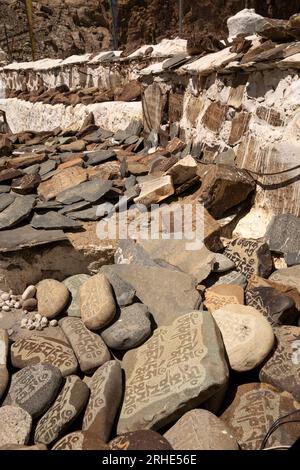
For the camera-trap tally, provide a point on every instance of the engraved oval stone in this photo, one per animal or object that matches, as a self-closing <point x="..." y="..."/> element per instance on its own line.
<point x="253" y="409"/>
<point x="282" y="369"/>
<point x="68" y="405"/>
<point x="97" y="304"/>
<point x="288" y="276"/>
<point x="140" y="440"/>
<point x="42" y="349"/>
<point x="80" y="440"/>
<point x="89" y="347"/>
<point x="15" y="425"/>
<point x="105" y="399"/>
<point x="131" y="329"/>
<point x="180" y="366"/>
<point x="52" y="297"/>
<point x="201" y="430"/>
<point x="223" y="294"/>
<point x="4" y="376"/>
<point x="248" y="337"/>
<point x="34" y="388"/>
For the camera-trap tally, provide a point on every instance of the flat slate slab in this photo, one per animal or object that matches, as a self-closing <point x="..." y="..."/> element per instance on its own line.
<point x="26" y="237"/>
<point x="17" y="211"/>
<point x="94" y="158"/>
<point x="53" y="220"/>
<point x="6" y="200"/>
<point x="90" y="191"/>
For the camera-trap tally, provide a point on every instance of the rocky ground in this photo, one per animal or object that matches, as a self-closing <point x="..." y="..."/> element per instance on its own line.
<point x="161" y="347"/>
<point x="66" y="27"/>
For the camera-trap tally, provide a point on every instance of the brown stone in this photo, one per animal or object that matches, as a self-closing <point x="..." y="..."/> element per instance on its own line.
<point x="293" y="293"/>
<point x="129" y="92"/>
<point x="76" y="146"/>
<point x="41" y="349"/>
<point x="15" y="425"/>
<point x="5" y="145"/>
<point x="52" y="297"/>
<point x="26" y="184"/>
<point x="223" y="294"/>
<point x="200" y="430"/>
<point x="27" y="236"/>
<point x="89" y="348"/>
<point x="282" y="369"/>
<point x="9" y="174"/>
<point x="184" y="170"/>
<point x="250" y="257"/>
<point x="26" y="160"/>
<point x="223" y="187"/>
<point x="105" y="399"/>
<point x="75" y="161"/>
<point x="254" y="409"/>
<point x="61" y="181"/>
<point x="140" y="440"/>
<point x="214" y="116"/>
<point x="155" y="190"/>
<point x="239" y="127"/>
<point x="4" y="376"/>
<point x="269" y="115"/>
<point x="175" y="107"/>
<point x="80" y="440"/>
<point x="97" y="304"/>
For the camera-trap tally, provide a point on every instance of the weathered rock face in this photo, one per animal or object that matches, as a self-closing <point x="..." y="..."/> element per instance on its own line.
<point x="190" y="368"/>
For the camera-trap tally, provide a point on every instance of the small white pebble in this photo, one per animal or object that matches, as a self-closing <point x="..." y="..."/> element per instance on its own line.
<point x="30" y="327"/>
<point x="5" y="296"/>
<point x="17" y="305"/>
<point x="53" y="323"/>
<point x="44" y="322"/>
<point x="10" y="331"/>
<point x="23" y="322"/>
<point x="10" y="292"/>
<point x="25" y="312"/>
<point x="7" y="302"/>
<point x="14" y="297"/>
<point x="39" y="327"/>
<point x="38" y="316"/>
<point x="6" y="308"/>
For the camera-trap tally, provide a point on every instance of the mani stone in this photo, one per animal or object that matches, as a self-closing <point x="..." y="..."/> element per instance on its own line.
<point x="222" y="295"/>
<point x="248" y="337"/>
<point x="15" y="425"/>
<point x="42" y="349"/>
<point x="68" y="405"/>
<point x="179" y="367"/>
<point x="73" y="283"/>
<point x="292" y="292"/>
<point x="184" y="170"/>
<point x="4" y="376"/>
<point x="90" y="191"/>
<point x="131" y="329"/>
<point x="222" y="263"/>
<point x="80" y="440"/>
<point x="282" y="369"/>
<point x="278" y="308"/>
<point x="254" y="409"/>
<point x="16" y="212"/>
<point x="51" y="221"/>
<point x="34" y="388"/>
<point x="105" y="398"/>
<point x="167" y="294"/>
<point x="250" y="257"/>
<point x="140" y="440"/>
<point x="97" y="304"/>
<point x="123" y="291"/>
<point x="232" y="278"/>
<point x="282" y="234"/>
<point x="155" y="190"/>
<point x="201" y="430"/>
<point x="52" y="297"/>
<point x="288" y="276"/>
<point x="89" y="348"/>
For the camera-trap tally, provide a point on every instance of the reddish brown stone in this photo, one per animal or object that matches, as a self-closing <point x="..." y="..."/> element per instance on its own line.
<point x="130" y="92"/>
<point x="5" y="146"/>
<point x="9" y="174"/>
<point x="175" y="107"/>
<point x="26" y="184"/>
<point x="269" y="115"/>
<point x="239" y="127"/>
<point x="214" y="116"/>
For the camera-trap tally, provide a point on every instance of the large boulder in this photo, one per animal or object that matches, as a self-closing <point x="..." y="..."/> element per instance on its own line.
<point x="244" y="22"/>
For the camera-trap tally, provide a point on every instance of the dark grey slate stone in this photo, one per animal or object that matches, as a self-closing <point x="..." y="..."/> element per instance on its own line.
<point x="93" y="158"/>
<point x="16" y="212"/>
<point x="90" y="191"/>
<point x="6" y="200"/>
<point x="283" y="234"/>
<point x="53" y="220"/>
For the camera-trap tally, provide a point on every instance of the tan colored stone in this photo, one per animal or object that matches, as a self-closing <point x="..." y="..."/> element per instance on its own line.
<point x="80" y="440"/>
<point x="76" y="161"/>
<point x="184" y="170"/>
<point x="214" y="116"/>
<point x="61" y="181"/>
<point x="52" y="297"/>
<point x="219" y="296"/>
<point x="15" y="425"/>
<point x="155" y="190"/>
<point x="248" y="337"/>
<point x="200" y="430"/>
<point x="97" y="304"/>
